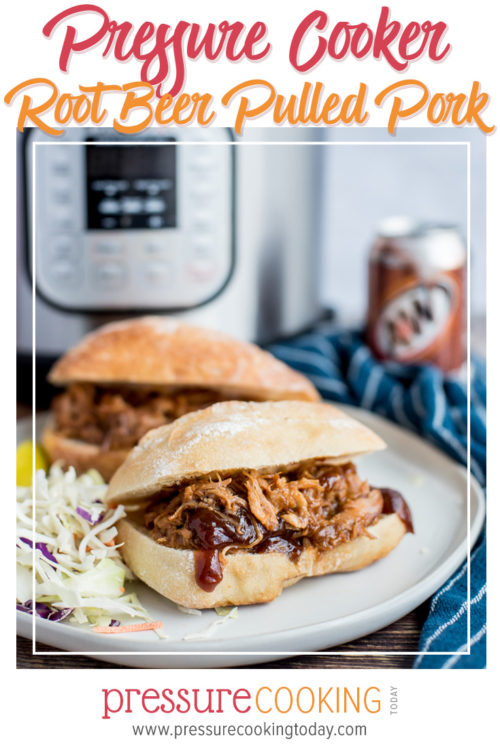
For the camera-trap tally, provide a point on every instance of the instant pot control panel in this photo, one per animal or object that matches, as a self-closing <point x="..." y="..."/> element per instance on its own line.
<point x="121" y="224"/>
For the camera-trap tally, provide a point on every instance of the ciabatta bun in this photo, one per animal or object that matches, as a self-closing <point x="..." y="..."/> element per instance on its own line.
<point x="162" y="352"/>
<point x="234" y="435"/>
<point x="248" y="578"/>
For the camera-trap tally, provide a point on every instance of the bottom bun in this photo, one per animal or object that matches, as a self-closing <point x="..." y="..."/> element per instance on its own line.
<point x="83" y="456"/>
<point x="249" y="578"/>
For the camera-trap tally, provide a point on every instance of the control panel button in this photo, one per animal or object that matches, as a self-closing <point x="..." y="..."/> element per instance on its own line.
<point x="109" y="206"/>
<point x="153" y="187"/>
<point x="201" y="190"/>
<point x="155" y="222"/>
<point x="110" y="187"/>
<point x="153" y="249"/>
<point x="109" y="222"/>
<point x="62" y="248"/>
<point x="61" y="184"/>
<point x="158" y="273"/>
<point x="61" y="196"/>
<point x="131" y="205"/>
<point x="203" y="228"/>
<point x="63" y="218"/>
<point x="66" y="272"/>
<point x="108" y="247"/>
<point x="110" y="275"/>
<point x="154" y="205"/>
<point x="61" y="168"/>
<point x="202" y="216"/>
<point x="202" y="245"/>
<point x="202" y="268"/>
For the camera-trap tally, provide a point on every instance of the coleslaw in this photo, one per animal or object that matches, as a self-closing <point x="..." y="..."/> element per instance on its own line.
<point x="79" y="574"/>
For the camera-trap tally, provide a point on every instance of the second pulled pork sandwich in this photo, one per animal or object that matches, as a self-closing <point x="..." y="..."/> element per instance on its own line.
<point x="130" y="377"/>
<point x="239" y="500"/>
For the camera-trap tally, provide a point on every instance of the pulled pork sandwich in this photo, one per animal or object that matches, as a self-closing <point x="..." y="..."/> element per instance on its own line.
<point x="127" y="378"/>
<point x="235" y="502"/>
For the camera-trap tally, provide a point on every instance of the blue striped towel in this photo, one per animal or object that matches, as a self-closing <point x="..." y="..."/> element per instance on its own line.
<point x="424" y="400"/>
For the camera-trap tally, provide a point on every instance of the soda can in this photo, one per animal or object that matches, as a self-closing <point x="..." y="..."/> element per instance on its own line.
<point x="417" y="294"/>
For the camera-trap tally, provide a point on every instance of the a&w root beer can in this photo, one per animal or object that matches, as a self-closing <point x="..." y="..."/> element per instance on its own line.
<point x="417" y="294"/>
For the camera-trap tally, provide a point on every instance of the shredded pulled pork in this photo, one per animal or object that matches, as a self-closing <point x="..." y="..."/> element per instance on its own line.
<point x="316" y="503"/>
<point x="118" y="417"/>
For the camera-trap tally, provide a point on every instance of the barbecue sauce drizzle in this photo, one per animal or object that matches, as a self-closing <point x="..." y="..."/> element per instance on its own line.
<point x="207" y="568"/>
<point x="394" y="502"/>
<point x="214" y="533"/>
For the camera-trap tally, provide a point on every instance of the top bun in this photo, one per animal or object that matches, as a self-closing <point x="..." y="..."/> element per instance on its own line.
<point x="234" y="435"/>
<point x="158" y="351"/>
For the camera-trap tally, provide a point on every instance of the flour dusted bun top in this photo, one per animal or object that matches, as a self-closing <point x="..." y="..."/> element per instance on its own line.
<point x="234" y="435"/>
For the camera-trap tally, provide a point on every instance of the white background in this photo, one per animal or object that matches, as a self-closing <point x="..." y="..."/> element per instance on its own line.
<point x="436" y="707"/>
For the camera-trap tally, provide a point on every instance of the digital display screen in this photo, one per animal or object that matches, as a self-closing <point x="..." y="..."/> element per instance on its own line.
<point x="131" y="187"/>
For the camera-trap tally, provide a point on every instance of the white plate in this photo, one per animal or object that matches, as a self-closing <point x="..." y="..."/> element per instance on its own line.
<point x="321" y="612"/>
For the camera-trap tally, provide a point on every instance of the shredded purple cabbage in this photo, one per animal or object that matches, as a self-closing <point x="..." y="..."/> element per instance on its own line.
<point x="45" y="611"/>
<point x="88" y="516"/>
<point x="60" y="614"/>
<point x="43" y="549"/>
<point x="41" y="546"/>
<point x="114" y="624"/>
